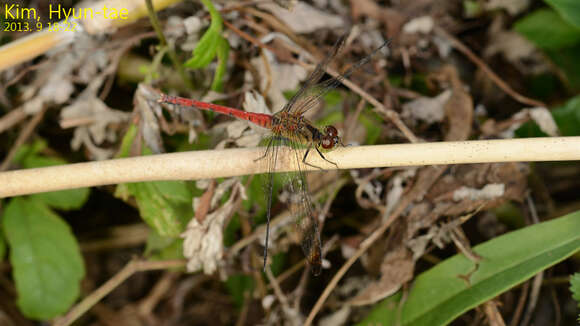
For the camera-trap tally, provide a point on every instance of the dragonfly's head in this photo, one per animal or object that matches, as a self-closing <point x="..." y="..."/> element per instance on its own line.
<point x="330" y="138"/>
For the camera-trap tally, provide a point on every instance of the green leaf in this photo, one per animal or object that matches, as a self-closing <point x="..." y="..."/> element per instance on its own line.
<point x="442" y="293"/>
<point x="207" y="47"/>
<point x="575" y="287"/>
<point x="127" y="141"/>
<point x="567" y="60"/>
<point x="46" y="260"/>
<point x="163" y="248"/>
<point x="547" y="29"/>
<point x="543" y="85"/>
<point x="373" y="127"/>
<point x="472" y="9"/>
<point x="567" y="117"/>
<point x="2" y="245"/>
<point x="569" y="9"/>
<point x="223" y="51"/>
<point x="164" y="205"/>
<point x="237" y="285"/>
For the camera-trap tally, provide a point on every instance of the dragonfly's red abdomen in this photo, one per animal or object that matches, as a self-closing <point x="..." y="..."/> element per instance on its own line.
<point x="262" y="120"/>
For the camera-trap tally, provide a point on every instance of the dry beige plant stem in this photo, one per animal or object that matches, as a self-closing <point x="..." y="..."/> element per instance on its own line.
<point x="235" y="162"/>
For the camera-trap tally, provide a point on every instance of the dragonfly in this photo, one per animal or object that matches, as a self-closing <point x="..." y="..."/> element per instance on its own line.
<point x="290" y="128"/>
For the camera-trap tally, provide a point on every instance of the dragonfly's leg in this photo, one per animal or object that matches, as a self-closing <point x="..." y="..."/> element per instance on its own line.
<point x="268" y="147"/>
<point x="306" y="154"/>
<point x="324" y="158"/>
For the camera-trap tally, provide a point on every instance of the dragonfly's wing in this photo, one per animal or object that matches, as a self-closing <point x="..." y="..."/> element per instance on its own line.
<point x="299" y="201"/>
<point x="309" y="97"/>
<point x="315" y="76"/>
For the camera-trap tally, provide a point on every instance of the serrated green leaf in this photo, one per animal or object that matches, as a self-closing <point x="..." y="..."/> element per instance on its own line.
<point x="575" y="287"/>
<point x="547" y="29"/>
<point x="206" y="49"/>
<point x="46" y="260"/>
<point x="162" y="204"/>
<point x="569" y="9"/>
<point x="441" y="294"/>
<point x="223" y="50"/>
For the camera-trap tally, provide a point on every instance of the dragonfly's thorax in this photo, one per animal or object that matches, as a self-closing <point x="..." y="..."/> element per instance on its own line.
<point x="298" y="128"/>
<point x="295" y="127"/>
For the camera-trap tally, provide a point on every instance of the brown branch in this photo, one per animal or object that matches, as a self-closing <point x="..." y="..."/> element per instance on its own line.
<point x="131" y="268"/>
<point x="483" y="66"/>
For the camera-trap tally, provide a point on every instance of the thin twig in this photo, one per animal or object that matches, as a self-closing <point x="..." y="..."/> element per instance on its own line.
<point x="160" y="289"/>
<point x="12" y="118"/>
<point x="259" y="43"/>
<point x="24" y="135"/>
<point x="521" y="304"/>
<point x="381" y="109"/>
<point x="131" y="268"/>
<point x="537" y="282"/>
<point x="492" y="75"/>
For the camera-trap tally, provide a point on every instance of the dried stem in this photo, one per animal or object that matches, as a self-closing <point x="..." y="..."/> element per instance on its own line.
<point x="96" y="296"/>
<point x="492" y="75"/>
<point x="235" y="162"/>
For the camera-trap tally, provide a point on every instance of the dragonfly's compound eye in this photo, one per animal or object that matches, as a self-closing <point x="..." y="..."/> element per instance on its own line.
<point x="327" y="142"/>
<point x="330" y="131"/>
<point x="330" y="137"/>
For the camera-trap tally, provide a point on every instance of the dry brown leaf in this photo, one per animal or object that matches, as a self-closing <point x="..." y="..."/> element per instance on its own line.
<point x="544" y="120"/>
<point x="391" y="18"/>
<point x="423" y="25"/>
<point x="516" y="49"/>
<point x="338" y="317"/>
<point x="459" y="107"/>
<point x="146" y="104"/>
<point x="513" y="7"/>
<point x="428" y="109"/>
<point x="397" y="268"/>
<point x="90" y="108"/>
<point x="283" y="77"/>
<point x="441" y="202"/>
<point x="202" y="204"/>
<point x="203" y="241"/>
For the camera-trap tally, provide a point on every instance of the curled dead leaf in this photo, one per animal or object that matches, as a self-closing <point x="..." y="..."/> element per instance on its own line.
<point x="203" y="241"/>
